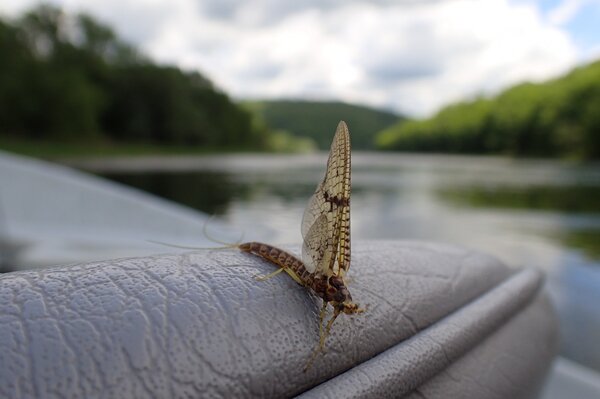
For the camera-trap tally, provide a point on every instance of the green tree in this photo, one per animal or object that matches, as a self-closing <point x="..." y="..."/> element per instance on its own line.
<point x="556" y="118"/>
<point x="70" y="78"/>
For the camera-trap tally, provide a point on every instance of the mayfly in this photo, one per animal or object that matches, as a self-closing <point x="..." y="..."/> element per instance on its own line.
<point x="326" y="241"/>
<point x="326" y="246"/>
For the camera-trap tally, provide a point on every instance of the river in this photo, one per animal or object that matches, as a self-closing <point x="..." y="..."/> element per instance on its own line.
<point x="544" y="214"/>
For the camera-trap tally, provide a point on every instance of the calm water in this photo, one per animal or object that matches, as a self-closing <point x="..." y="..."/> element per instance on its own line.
<point x="536" y="213"/>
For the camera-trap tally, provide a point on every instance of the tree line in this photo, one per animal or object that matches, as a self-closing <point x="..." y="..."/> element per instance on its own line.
<point x="70" y="78"/>
<point x="558" y="118"/>
<point x="317" y="120"/>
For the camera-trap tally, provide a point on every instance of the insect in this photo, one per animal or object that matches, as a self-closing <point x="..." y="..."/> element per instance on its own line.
<point x="326" y="246"/>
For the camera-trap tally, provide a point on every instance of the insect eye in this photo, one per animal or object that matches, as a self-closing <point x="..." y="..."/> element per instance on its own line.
<point x="336" y="281"/>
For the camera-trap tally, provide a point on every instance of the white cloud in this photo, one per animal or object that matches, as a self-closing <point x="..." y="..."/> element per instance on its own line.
<point x="411" y="56"/>
<point x="564" y="12"/>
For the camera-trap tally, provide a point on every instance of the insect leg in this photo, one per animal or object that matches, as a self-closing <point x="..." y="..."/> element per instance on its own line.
<point x="322" y="318"/>
<point x="268" y="276"/>
<point x="336" y="313"/>
<point x="322" y="338"/>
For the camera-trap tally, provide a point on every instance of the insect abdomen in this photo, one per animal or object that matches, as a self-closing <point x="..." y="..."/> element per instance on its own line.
<point x="279" y="257"/>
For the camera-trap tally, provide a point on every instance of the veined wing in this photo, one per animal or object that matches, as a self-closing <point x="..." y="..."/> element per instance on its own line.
<point x="326" y="221"/>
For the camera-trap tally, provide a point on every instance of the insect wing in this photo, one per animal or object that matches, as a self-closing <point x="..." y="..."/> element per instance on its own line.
<point x="317" y="251"/>
<point x="326" y="221"/>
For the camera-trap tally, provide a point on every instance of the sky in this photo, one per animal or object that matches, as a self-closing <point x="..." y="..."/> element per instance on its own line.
<point x="409" y="56"/>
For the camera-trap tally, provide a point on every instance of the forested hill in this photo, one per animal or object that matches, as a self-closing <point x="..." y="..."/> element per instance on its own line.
<point x="317" y="120"/>
<point x="68" y="79"/>
<point x="558" y="118"/>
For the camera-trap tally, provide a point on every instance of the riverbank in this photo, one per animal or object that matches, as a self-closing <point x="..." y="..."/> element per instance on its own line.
<point x="101" y="148"/>
<point x="278" y="142"/>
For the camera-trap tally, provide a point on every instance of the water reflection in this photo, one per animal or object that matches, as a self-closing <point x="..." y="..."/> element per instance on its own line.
<point x="571" y="199"/>
<point x="210" y="192"/>
<point x="587" y="240"/>
<point x="580" y="200"/>
<point x="537" y="213"/>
